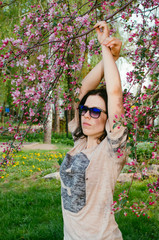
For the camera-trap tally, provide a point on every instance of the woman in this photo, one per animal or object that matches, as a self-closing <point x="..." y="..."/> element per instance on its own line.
<point x="90" y="170"/>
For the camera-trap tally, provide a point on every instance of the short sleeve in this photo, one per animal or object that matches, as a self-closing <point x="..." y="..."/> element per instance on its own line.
<point x="117" y="140"/>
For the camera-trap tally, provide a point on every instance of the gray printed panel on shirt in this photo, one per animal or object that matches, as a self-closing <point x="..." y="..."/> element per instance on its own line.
<point x="72" y="173"/>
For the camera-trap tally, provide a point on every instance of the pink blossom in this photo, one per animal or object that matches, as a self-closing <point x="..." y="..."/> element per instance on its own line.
<point x="22" y="62"/>
<point x="10" y="129"/>
<point x="153" y="155"/>
<point x="70" y="28"/>
<point x="118" y="150"/>
<point x="22" y="21"/>
<point x="29" y="92"/>
<point x="156" y="21"/>
<point x="151" y="190"/>
<point x="16" y="28"/>
<point x="83" y="20"/>
<point x="151" y="203"/>
<point x="31" y="112"/>
<point x="41" y="57"/>
<point x="16" y="94"/>
<point x="32" y="77"/>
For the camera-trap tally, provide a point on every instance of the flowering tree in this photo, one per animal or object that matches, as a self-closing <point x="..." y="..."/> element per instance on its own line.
<point x="50" y="45"/>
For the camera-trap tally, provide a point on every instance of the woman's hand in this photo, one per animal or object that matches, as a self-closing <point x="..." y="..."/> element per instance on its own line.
<point x="114" y="44"/>
<point x="102" y="31"/>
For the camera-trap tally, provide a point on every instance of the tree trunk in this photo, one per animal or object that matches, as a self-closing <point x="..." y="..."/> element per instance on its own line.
<point x="56" y="122"/>
<point x="48" y="127"/>
<point x="57" y="117"/>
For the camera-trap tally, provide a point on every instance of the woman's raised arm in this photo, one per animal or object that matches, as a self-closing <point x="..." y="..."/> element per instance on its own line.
<point x="93" y="78"/>
<point x="111" y="74"/>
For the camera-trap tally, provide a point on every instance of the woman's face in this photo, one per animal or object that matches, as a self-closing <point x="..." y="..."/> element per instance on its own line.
<point x="91" y="126"/>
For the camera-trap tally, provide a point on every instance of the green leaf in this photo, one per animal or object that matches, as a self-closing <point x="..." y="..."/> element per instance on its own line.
<point x="77" y="100"/>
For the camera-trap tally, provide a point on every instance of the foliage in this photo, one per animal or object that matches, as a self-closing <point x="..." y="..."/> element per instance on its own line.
<point x="144" y="151"/>
<point x="35" y="137"/>
<point x="56" y="138"/>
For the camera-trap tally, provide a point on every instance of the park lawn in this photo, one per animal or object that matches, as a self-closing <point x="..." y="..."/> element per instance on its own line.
<point x="30" y="206"/>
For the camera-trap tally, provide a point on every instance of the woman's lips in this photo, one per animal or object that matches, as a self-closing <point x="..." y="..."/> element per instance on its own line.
<point x="86" y="124"/>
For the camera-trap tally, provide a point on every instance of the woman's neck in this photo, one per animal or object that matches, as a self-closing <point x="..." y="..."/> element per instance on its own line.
<point x="91" y="141"/>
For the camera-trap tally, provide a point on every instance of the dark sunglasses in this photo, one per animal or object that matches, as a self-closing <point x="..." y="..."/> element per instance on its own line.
<point x="93" y="112"/>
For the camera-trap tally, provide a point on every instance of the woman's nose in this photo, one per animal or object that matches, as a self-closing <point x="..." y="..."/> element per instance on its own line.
<point x="87" y="115"/>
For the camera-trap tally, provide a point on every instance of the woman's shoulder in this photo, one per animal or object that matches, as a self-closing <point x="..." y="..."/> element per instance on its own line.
<point x="79" y="145"/>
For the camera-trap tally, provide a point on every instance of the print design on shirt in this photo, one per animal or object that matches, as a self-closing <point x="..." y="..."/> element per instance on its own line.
<point x="73" y="189"/>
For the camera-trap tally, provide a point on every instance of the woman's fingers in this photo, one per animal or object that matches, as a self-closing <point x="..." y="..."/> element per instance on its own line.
<point x="102" y="26"/>
<point x="99" y="24"/>
<point x="110" y="42"/>
<point x="102" y="30"/>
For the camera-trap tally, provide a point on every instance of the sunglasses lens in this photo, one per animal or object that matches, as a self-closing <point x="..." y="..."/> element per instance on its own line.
<point x="95" y="112"/>
<point x="83" y="110"/>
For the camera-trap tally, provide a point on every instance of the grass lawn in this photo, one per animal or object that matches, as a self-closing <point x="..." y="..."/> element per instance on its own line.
<point x="30" y="207"/>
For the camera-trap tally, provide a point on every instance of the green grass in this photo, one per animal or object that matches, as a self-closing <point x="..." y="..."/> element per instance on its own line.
<point x="30" y="206"/>
<point x="31" y="210"/>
